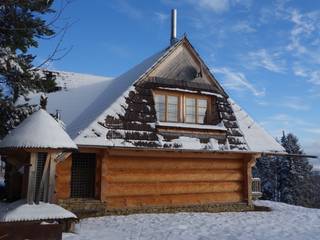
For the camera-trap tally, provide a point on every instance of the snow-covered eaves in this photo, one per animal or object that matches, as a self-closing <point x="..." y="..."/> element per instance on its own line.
<point x="39" y="130"/>
<point x="257" y="138"/>
<point x="219" y="127"/>
<point x="21" y="211"/>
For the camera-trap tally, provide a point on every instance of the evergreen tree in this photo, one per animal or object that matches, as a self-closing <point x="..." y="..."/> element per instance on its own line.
<point x="296" y="181"/>
<point x="22" y="24"/>
<point x="286" y="178"/>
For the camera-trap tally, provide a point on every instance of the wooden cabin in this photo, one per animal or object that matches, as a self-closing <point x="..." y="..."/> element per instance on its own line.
<point x="164" y="134"/>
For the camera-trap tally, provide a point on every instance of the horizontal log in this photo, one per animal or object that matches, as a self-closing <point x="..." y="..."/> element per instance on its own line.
<point x="120" y="163"/>
<point x="172" y="200"/>
<point x="175" y="153"/>
<point x="135" y="189"/>
<point x="114" y="176"/>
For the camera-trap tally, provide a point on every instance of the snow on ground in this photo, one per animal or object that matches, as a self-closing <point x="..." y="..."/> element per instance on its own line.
<point x="283" y="223"/>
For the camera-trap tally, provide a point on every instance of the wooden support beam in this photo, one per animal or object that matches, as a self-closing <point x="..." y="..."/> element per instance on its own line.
<point x="52" y="178"/>
<point x="247" y="176"/>
<point x="62" y="156"/>
<point x="32" y="178"/>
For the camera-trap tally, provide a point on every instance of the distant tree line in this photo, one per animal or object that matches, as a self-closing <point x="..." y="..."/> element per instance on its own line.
<point x="289" y="179"/>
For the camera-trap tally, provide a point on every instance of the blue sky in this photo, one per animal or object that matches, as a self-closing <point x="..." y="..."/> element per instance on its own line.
<point x="265" y="53"/>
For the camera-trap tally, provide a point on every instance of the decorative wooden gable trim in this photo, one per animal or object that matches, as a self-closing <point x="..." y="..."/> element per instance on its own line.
<point x="182" y="66"/>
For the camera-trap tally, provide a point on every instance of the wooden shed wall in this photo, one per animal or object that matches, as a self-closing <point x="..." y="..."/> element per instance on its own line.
<point x="63" y="179"/>
<point x="137" y="181"/>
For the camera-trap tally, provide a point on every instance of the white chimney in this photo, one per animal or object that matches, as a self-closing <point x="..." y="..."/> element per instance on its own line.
<point x="173" y="38"/>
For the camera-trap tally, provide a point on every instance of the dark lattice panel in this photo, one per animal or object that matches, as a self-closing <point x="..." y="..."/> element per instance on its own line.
<point x="39" y="172"/>
<point x="83" y="175"/>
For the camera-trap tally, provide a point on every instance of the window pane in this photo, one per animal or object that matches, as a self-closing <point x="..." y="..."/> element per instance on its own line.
<point x="172" y="108"/>
<point x="172" y="100"/>
<point x="200" y="119"/>
<point x="161" y="116"/>
<point x="160" y="99"/>
<point x="202" y="111"/>
<point x="202" y="103"/>
<point x="190" y="110"/>
<point x="190" y="101"/>
<point x="160" y="107"/>
<point x="173" y="117"/>
<point x="190" y="118"/>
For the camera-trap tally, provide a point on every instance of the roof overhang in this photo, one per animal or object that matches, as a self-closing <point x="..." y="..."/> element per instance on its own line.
<point x="145" y="151"/>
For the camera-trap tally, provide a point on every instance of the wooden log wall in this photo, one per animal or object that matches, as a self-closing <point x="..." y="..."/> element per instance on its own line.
<point x="130" y="182"/>
<point x="63" y="178"/>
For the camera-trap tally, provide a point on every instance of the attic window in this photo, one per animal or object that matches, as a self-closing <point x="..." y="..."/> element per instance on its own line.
<point x="167" y="108"/>
<point x="180" y="107"/>
<point x="195" y="110"/>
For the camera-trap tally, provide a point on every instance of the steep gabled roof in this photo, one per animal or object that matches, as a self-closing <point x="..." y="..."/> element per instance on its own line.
<point x="116" y="90"/>
<point x="106" y="113"/>
<point x="121" y="85"/>
<point x="39" y="130"/>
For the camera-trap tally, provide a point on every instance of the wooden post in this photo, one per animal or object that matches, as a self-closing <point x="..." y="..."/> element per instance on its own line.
<point x="32" y="178"/>
<point x="247" y="174"/>
<point x="52" y="178"/>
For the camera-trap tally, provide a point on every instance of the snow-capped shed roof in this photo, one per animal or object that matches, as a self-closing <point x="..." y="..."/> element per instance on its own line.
<point x="39" y="130"/>
<point x="21" y="211"/>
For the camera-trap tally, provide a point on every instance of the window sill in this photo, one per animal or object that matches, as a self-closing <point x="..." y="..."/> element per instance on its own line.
<point x="219" y="126"/>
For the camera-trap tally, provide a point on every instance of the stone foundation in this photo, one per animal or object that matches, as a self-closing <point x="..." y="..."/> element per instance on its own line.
<point x="84" y="208"/>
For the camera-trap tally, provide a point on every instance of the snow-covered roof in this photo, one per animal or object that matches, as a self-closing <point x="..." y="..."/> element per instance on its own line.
<point x="114" y="94"/>
<point x="97" y="112"/>
<point x="39" y="130"/>
<point x="21" y="211"/>
<point x="77" y="92"/>
<point x="258" y="140"/>
<point x="71" y="80"/>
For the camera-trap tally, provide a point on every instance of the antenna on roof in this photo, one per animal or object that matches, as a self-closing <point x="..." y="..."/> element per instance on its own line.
<point x="173" y="38"/>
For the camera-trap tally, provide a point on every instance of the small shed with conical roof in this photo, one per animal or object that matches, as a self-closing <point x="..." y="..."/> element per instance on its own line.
<point x="34" y="148"/>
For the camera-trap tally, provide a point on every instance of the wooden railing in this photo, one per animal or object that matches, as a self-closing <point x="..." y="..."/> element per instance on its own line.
<point x="256" y="188"/>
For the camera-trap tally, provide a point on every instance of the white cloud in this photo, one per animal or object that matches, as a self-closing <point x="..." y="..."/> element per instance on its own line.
<point x="128" y="9"/>
<point x="295" y="103"/>
<point x="315" y="77"/>
<point x="215" y="5"/>
<point x="243" y="26"/>
<point x="161" y="17"/>
<point x="299" y="70"/>
<point x="237" y="81"/>
<point x="288" y="121"/>
<point x="270" y="61"/>
<point x="303" y="26"/>
<point x="312" y="76"/>
<point x="219" y="6"/>
<point x="313" y="130"/>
